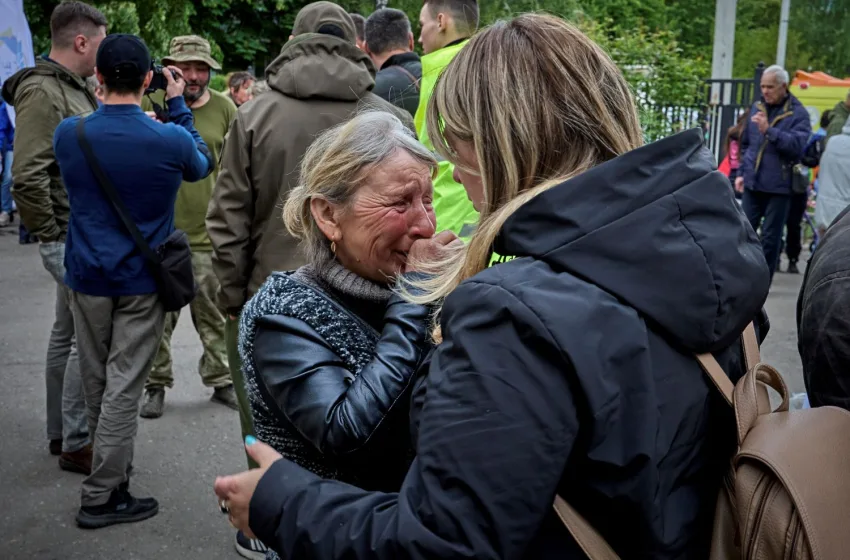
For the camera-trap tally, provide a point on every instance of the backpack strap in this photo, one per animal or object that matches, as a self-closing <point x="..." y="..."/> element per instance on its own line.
<point x="718" y="376"/>
<point x="589" y="540"/>
<point x="752" y="354"/>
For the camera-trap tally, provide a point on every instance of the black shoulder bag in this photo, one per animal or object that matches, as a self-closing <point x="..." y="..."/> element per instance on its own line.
<point x="171" y="262"/>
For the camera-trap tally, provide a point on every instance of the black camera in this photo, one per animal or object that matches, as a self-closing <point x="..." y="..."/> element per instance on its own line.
<point x="158" y="81"/>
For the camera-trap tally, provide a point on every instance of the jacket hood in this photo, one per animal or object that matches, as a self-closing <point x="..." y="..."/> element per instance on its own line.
<point x="659" y="229"/>
<point x="44" y="68"/>
<point x="313" y="16"/>
<point x="321" y="66"/>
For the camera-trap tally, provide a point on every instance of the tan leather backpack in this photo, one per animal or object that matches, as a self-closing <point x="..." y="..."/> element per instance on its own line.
<point x="787" y="494"/>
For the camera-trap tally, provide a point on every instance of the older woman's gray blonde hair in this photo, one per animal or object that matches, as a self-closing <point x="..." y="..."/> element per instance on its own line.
<point x="337" y="164"/>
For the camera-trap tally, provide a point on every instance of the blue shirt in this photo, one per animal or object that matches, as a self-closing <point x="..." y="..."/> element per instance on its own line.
<point x="7" y="129"/>
<point x="146" y="162"/>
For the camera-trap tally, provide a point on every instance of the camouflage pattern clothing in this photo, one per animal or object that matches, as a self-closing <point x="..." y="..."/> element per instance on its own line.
<point x="208" y="319"/>
<point x="190" y="48"/>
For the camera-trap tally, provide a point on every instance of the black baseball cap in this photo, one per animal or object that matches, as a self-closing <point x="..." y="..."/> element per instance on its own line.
<point x="123" y="56"/>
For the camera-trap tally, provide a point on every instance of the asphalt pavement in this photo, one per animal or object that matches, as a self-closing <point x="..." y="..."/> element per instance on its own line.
<point x="177" y="456"/>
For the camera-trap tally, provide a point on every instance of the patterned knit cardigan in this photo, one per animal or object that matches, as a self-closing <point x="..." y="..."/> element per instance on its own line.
<point x="350" y="338"/>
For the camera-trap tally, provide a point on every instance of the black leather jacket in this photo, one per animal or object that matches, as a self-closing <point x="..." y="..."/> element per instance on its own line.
<point x="321" y="398"/>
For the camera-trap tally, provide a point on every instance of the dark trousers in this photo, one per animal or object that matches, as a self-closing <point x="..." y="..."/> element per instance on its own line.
<point x="793" y="229"/>
<point x="770" y="211"/>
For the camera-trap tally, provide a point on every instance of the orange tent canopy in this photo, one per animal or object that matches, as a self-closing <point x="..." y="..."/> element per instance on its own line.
<point x="819" y="79"/>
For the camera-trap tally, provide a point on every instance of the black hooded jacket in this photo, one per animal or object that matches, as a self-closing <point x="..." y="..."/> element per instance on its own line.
<point x="567" y="369"/>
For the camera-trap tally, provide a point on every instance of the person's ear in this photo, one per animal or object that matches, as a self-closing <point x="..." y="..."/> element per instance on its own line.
<point x="148" y="79"/>
<point x="327" y="218"/>
<point x="411" y="42"/>
<point x="81" y="43"/>
<point x="442" y="22"/>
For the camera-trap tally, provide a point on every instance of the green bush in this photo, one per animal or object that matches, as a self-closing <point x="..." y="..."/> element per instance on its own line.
<point x="219" y="83"/>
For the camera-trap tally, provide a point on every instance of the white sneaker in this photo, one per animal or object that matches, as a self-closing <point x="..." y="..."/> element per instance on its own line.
<point x="5" y="219"/>
<point x="253" y="549"/>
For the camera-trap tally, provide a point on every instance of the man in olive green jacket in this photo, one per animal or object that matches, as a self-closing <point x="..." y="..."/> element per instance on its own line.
<point x="838" y="118"/>
<point x="43" y="96"/>
<point x="213" y="113"/>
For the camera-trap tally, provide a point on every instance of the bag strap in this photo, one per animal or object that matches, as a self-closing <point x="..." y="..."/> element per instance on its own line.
<point x="752" y="354"/>
<point x="109" y="189"/>
<point x="410" y="75"/>
<point x="718" y="376"/>
<point x="589" y="540"/>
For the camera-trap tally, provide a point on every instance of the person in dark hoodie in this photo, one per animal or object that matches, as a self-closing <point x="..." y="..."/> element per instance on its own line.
<point x="771" y="145"/>
<point x="567" y="366"/>
<point x="43" y="96"/>
<point x="389" y="41"/>
<point x="319" y="80"/>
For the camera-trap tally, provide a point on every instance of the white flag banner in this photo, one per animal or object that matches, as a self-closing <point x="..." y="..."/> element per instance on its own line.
<point x="15" y="41"/>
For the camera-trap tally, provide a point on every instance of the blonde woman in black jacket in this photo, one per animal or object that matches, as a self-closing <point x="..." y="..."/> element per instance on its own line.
<point x="568" y="331"/>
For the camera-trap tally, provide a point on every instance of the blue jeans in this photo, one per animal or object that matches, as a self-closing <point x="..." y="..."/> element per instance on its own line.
<point x="770" y="211"/>
<point x="6" y="203"/>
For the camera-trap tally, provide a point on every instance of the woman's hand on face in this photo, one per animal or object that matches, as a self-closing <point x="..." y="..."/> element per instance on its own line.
<point x="428" y="250"/>
<point x="238" y="489"/>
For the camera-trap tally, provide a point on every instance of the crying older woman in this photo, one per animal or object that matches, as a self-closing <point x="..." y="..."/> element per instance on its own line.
<point x="328" y="350"/>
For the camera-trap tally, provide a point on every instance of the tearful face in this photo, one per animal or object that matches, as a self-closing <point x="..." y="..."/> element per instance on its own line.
<point x="391" y="209"/>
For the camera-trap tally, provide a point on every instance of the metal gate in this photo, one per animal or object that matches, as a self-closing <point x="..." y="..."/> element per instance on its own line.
<point x="725" y="101"/>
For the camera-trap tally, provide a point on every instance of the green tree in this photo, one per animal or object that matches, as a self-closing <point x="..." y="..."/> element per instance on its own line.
<point x="628" y="14"/>
<point x="154" y="21"/>
<point x="667" y="84"/>
<point x="756" y="35"/>
<point x="693" y="23"/>
<point x="821" y="27"/>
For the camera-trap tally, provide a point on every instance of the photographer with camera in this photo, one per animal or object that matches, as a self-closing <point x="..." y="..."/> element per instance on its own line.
<point x="213" y="112"/>
<point x="122" y="171"/>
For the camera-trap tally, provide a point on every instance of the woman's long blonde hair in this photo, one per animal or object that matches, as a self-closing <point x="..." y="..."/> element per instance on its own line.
<point x="541" y="103"/>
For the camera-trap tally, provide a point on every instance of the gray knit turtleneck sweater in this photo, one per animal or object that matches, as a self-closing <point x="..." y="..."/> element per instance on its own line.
<point x="309" y="294"/>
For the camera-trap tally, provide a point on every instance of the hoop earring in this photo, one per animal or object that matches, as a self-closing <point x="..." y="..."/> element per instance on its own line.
<point x="333" y="247"/>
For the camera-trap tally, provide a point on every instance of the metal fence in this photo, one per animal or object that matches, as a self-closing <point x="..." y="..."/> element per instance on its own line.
<point x="717" y="109"/>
